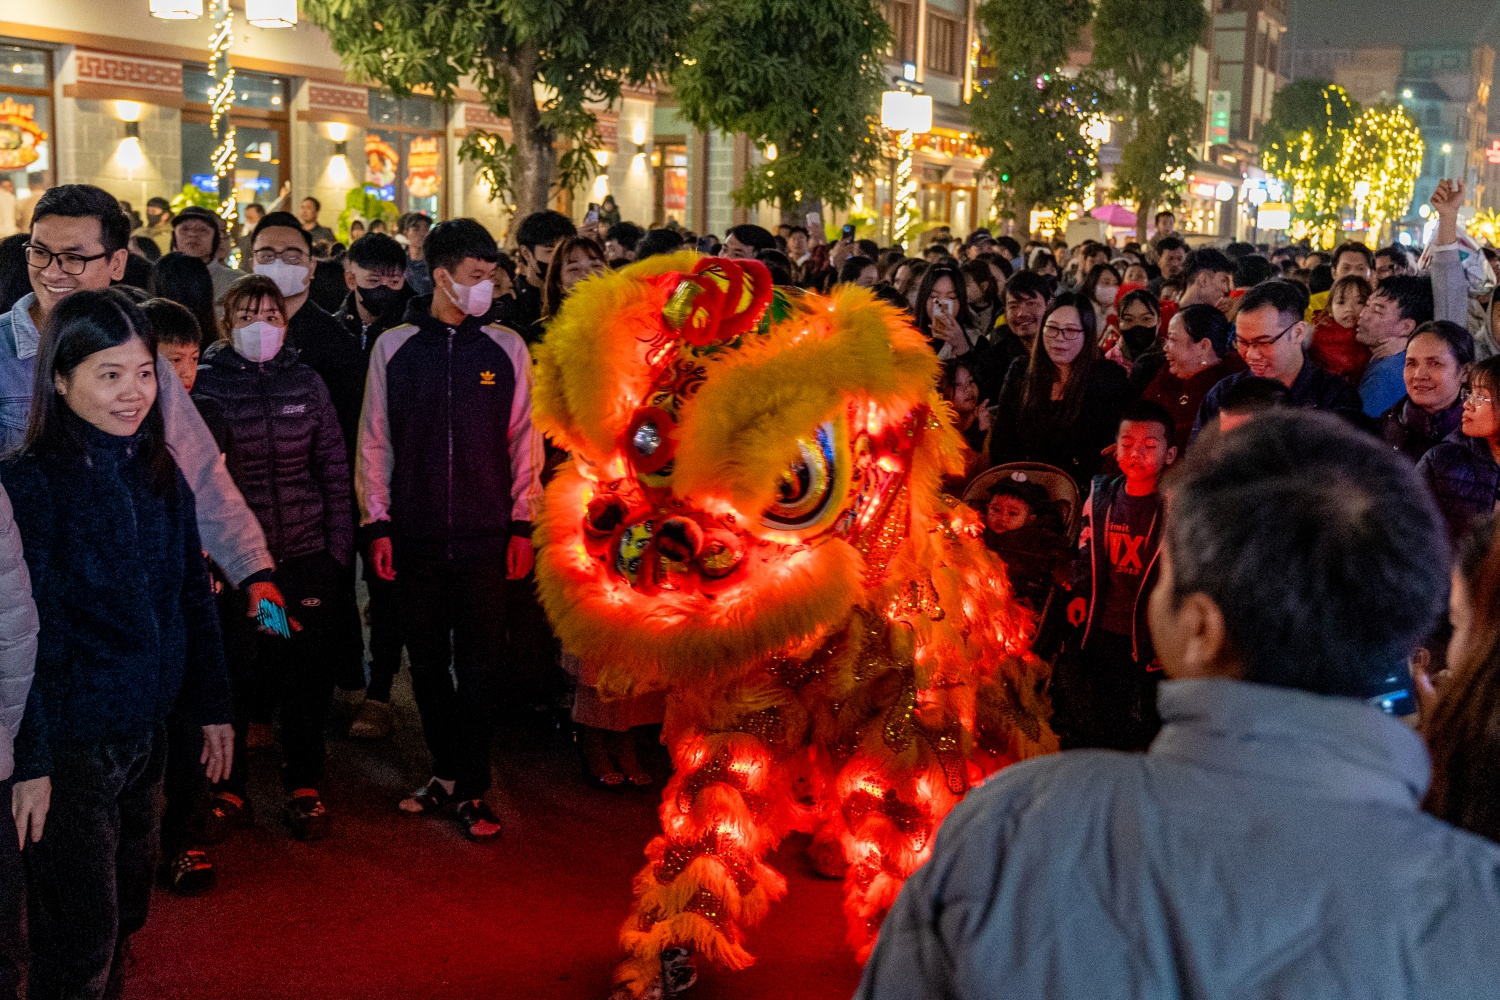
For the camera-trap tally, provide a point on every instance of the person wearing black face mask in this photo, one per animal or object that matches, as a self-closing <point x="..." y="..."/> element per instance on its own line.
<point x="1139" y="345"/>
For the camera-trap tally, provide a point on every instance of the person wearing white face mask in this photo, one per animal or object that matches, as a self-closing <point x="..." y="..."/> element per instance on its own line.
<point x="286" y="453"/>
<point x="448" y="473"/>
<point x="283" y="253"/>
<point x="1101" y="286"/>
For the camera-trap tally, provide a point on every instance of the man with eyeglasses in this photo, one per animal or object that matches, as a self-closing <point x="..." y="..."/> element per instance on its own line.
<point x="78" y="242"/>
<point x="1270" y="334"/>
<point x="282" y="251"/>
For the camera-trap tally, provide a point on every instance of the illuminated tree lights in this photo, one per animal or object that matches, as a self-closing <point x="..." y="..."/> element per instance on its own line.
<point x="1325" y="150"/>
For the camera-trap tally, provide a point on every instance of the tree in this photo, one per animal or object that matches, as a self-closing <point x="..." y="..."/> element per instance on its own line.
<point x="543" y="64"/>
<point x="1385" y="152"/>
<point x="1154" y="163"/>
<point x="1306" y="145"/>
<point x="1144" y="45"/>
<point x="1031" y="116"/>
<point x="804" y="75"/>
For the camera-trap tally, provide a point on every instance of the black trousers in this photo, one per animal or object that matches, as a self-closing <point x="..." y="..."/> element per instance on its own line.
<point x="453" y="618"/>
<point x="12" y="899"/>
<point x="89" y="877"/>
<point x="385" y="636"/>
<point x="302" y="669"/>
<point x="1102" y="698"/>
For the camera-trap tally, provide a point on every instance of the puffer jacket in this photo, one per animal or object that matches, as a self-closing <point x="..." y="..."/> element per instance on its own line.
<point x="18" y="628"/>
<point x="1463" y="477"/>
<point x="285" y="450"/>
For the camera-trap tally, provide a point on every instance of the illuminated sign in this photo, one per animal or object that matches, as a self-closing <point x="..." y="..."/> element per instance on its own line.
<point x="1492" y="154"/>
<point x="423" y="160"/>
<point x="1273" y="215"/>
<point x="380" y="161"/>
<point x="20" y="136"/>
<point x="1218" y="117"/>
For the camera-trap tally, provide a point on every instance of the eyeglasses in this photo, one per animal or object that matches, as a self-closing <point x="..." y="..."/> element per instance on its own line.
<point x="1467" y="396"/>
<point x="1063" y="332"/>
<point x="69" y="263"/>
<point x="291" y="255"/>
<point x="1244" y="346"/>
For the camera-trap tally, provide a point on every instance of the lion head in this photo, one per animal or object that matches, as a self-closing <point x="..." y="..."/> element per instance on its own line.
<point x="748" y="466"/>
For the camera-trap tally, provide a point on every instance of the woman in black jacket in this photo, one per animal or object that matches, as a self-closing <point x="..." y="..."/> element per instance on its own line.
<point x="286" y="454"/>
<point x="1463" y="470"/>
<point x="1061" y="405"/>
<point x="128" y="630"/>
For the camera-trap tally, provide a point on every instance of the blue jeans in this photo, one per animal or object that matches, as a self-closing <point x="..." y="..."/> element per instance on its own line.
<point x="88" y="879"/>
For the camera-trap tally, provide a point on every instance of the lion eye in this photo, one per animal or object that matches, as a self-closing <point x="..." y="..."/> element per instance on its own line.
<point x="805" y="488"/>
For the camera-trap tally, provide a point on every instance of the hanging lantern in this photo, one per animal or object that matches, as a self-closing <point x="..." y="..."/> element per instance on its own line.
<point x="271" y="13"/>
<point x="176" y="10"/>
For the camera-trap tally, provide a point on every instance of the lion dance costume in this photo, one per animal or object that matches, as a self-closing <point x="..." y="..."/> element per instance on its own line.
<point x="753" y="521"/>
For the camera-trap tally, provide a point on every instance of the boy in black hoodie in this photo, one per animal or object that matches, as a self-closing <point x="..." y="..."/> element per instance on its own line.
<point x="1104" y="687"/>
<point x="448" y="472"/>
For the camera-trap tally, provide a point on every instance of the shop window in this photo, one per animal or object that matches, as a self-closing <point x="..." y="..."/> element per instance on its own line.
<point x="405" y="152"/>
<point x="943" y="45"/>
<point x="259" y="91"/>
<point x="28" y="68"/>
<point x="902" y="17"/>
<point x="25" y="119"/>
<point x="670" y="162"/>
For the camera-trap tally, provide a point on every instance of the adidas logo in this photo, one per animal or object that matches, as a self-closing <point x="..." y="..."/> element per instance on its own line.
<point x="486" y="378"/>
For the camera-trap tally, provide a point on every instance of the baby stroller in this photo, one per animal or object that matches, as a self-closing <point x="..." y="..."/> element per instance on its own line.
<point x="1035" y="552"/>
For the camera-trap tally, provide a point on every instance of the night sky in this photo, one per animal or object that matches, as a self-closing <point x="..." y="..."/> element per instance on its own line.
<point x="1403" y="23"/>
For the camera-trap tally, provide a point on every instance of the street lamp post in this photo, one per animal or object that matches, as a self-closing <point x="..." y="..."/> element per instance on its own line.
<point x="906" y="113"/>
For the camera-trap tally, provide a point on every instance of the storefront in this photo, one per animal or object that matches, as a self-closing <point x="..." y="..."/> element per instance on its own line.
<point x="25" y="121"/>
<point x="405" y="150"/>
<point x="262" y="127"/>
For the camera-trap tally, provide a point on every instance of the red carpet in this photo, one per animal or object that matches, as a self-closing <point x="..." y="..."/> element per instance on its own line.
<point x="390" y="906"/>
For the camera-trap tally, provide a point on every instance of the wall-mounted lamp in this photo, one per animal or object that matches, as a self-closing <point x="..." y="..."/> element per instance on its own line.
<point x="133" y="131"/>
<point x="338" y="131"/>
<point x="601" y="157"/>
<point x="341" y="149"/>
<point x="128" y="111"/>
<point x="640" y="149"/>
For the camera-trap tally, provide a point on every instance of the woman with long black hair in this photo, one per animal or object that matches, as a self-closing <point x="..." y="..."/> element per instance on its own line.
<point x="1061" y="405"/>
<point x="128" y="627"/>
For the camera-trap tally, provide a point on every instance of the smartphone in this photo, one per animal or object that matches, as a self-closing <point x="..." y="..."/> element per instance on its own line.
<point x="591" y="217"/>
<point x="814" y="220"/>
<point x="848" y="233"/>
<point x="944" y="306"/>
<point x="272" y="617"/>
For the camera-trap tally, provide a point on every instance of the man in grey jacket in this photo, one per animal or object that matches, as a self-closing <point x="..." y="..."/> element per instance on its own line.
<point x="18" y="629"/>
<point x="78" y="241"/>
<point x="1270" y="843"/>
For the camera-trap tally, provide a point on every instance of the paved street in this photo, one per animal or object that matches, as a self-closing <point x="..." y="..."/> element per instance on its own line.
<point x="390" y="906"/>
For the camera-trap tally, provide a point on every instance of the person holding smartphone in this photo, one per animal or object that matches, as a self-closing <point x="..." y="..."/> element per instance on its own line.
<point x="943" y="314"/>
<point x="128" y="631"/>
<point x="286" y="453"/>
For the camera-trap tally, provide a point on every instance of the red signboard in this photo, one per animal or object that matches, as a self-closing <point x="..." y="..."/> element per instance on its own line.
<point x="1492" y="154"/>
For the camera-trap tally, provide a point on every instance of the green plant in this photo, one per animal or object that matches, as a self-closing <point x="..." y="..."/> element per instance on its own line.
<point x="361" y="205"/>
<point x="191" y="195"/>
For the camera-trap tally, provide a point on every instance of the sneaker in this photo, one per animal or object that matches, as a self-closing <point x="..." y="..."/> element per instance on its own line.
<point x="305" y="814"/>
<point x="190" y="873"/>
<point x="373" y="721"/>
<point x="226" y="814"/>
<point x="476" y="820"/>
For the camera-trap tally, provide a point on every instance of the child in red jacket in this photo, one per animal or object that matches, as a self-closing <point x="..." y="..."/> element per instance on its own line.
<point x="1333" y="343"/>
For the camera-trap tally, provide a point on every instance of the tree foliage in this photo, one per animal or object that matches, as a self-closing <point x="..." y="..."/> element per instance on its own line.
<point x="1305" y="144"/>
<point x="1144" y="45"/>
<point x="1320" y="146"/>
<point x="1030" y="115"/>
<point x="804" y="75"/>
<point x="543" y="64"/>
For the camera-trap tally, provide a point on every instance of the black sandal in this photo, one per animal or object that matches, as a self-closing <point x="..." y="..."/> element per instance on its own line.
<point x="426" y="800"/>
<point x="472" y="814"/>
<point x="226" y="814"/>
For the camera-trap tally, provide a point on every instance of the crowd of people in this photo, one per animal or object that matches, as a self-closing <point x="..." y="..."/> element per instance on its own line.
<point x="217" y="480"/>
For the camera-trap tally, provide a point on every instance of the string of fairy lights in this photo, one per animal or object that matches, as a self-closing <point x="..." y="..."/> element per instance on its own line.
<point x="220" y="103"/>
